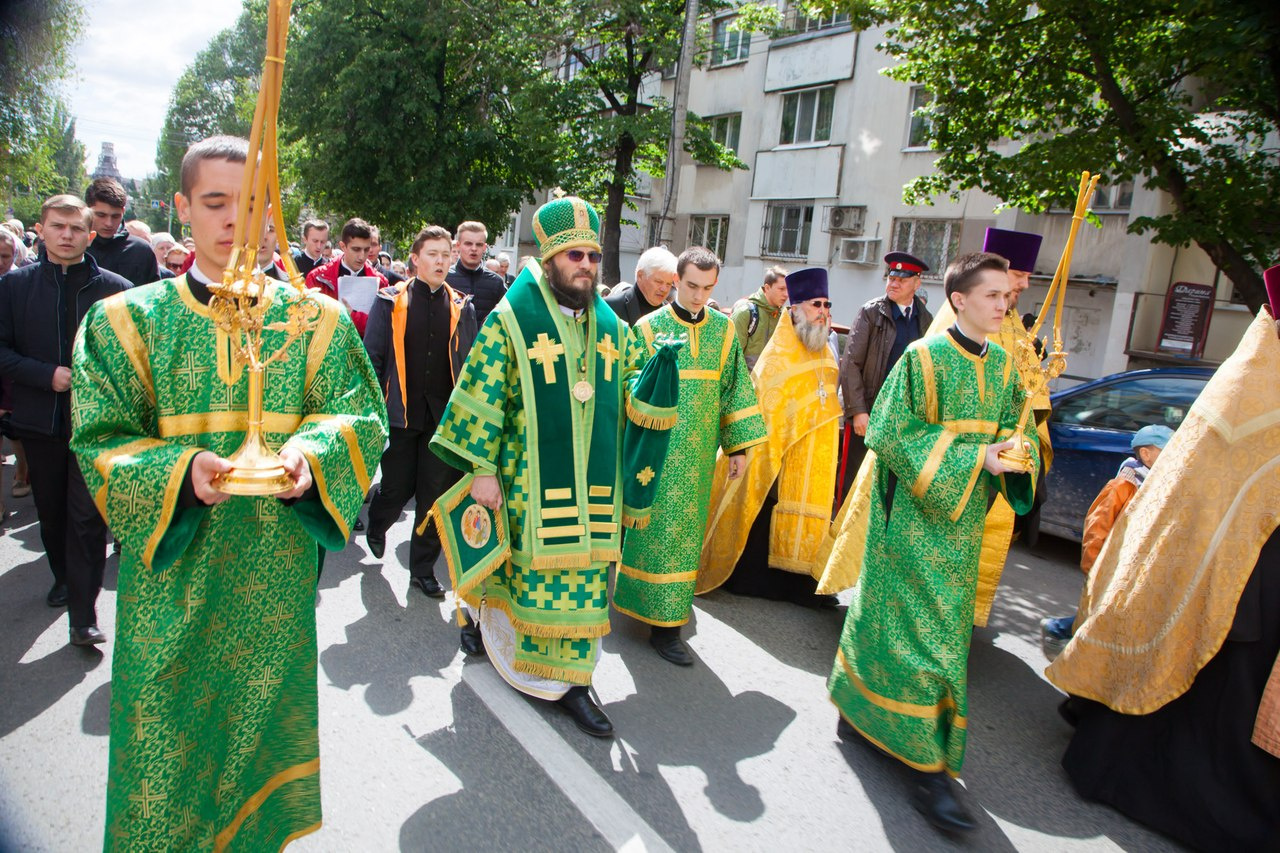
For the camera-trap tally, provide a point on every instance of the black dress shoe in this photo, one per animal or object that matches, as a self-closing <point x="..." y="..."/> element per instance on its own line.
<point x="359" y="526"/>
<point x="667" y="643"/>
<point x="377" y="544"/>
<point x="585" y="712"/>
<point x="472" y="642"/>
<point x="429" y="585"/>
<point x="57" y="596"/>
<point x="89" y="635"/>
<point x="934" y="798"/>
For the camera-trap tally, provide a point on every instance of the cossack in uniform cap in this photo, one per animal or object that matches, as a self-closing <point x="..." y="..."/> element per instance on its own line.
<point x="903" y="265"/>
<point x="806" y="284"/>
<point x="1019" y="248"/>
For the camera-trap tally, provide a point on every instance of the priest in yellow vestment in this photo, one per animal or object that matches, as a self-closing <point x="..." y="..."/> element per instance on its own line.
<point x="765" y="528"/>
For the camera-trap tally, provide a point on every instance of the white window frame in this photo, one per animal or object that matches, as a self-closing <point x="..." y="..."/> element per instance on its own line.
<point x="919" y="97"/>
<point x="775" y="225"/>
<point x="702" y="225"/>
<point x="798" y="22"/>
<point x="721" y="39"/>
<point x="727" y="130"/>
<point x="793" y="102"/>
<point x="912" y="243"/>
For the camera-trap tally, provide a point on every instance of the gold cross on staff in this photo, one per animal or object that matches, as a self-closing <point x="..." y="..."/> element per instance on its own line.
<point x="610" y="354"/>
<point x="546" y="352"/>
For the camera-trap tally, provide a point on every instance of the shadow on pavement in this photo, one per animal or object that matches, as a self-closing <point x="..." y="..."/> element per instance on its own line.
<point x="96" y="719"/>
<point x="492" y="767"/>
<point x="797" y="636"/>
<point x="25" y="617"/>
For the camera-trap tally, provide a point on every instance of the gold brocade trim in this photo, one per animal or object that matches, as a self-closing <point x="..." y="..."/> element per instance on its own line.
<point x="599" y="491"/>
<point x="188" y="298"/>
<point x="317" y="474"/>
<point x="803" y="509"/>
<point x="935" y="767"/>
<point x="558" y="532"/>
<point x="661" y="623"/>
<point x="558" y="495"/>
<point x="655" y="577"/>
<point x="348" y="433"/>
<point x="552" y="673"/>
<point x="294" y="836"/>
<point x="606" y="555"/>
<point x="600" y="509"/>
<point x="635" y="520"/>
<point x="551" y="632"/>
<point x="560" y="561"/>
<point x="897" y="706"/>
<point x="932" y="464"/>
<point x="980" y="427"/>
<point x="650" y="417"/>
<point x="710" y="375"/>
<point x="930" y="386"/>
<point x="168" y="504"/>
<point x="559" y="512"/>
<point x="764" y="439"/>
<point x="729" y="338"/>
<point x="607" y="527"/>
<point x="126" y="332"/>
<point x="740" y="415"/>
<point x="321" y="338"/>
<point x="973" y="481"/>
<point x="207" y="423"/>
<point x="694" y="333"/>
<point x="106" y="460"/>
<point x="251" y="805"/>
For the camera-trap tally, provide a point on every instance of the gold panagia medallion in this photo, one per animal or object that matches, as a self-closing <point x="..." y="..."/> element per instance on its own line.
<point x="582" y="392"/>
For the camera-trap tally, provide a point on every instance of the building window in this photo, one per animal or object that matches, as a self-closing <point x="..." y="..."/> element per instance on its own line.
<point x="726" y="130"/>
<point x="798" y="22"/>
<point x="919" y="128"/>
<point x="728" y="45"/>
<point x="710" y="231"/>
<point x="806" y="115"/>
<point x="1113" y="198"/>
<point x="934" y="241"/>
<point x="786" y="230"/>
<point x="654" y="235"/>
<point x="573" y="65"/>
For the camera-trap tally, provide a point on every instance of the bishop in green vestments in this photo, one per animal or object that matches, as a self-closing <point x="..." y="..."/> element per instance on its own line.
<point x="213" y="712"/>
<point x="947" y="409"/>
<point x="718" y="409"/>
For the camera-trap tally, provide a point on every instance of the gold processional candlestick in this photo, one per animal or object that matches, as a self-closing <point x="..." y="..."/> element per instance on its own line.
<point x="1035" y="375"/>
<point x="244" y="297"/>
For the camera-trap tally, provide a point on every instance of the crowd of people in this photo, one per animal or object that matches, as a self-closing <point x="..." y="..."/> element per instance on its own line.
<point x="579" y="454"/>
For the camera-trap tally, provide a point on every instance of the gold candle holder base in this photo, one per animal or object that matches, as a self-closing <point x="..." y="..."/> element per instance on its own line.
<point x="255" y="468"/>
<point x="1018" y="459"/>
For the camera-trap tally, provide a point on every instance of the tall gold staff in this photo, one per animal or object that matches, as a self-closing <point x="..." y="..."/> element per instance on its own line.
<point x="244" y="297"/>
<point x="1035" y="375"/>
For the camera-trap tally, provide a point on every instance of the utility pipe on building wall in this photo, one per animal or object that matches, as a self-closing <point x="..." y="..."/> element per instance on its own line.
<point x="679" y="119"/>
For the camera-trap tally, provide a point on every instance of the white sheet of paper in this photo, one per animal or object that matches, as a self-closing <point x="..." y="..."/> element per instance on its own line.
<point x="358" y="291"/>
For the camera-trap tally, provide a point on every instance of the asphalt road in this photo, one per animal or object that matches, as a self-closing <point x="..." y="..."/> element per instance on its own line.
<point x="421" y="750"/>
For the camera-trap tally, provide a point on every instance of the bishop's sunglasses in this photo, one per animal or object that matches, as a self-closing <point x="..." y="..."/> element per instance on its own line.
<point x="576" y="256"/>
<point x="820" y="303"/>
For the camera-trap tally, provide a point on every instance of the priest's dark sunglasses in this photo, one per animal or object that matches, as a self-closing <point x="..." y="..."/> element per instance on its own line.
<point x="576" y="255"/>
<point x="820" y="303"/>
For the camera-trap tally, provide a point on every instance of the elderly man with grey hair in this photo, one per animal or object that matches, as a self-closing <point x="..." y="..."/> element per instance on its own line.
<point x="655" y="276"/>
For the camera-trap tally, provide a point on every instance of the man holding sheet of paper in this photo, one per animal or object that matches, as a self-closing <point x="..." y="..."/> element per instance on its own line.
<point x="351" y="279"/>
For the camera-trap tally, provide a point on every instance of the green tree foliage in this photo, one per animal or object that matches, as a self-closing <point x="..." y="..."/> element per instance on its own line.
<point x="1183" y="96"/>
<point x="413" y="112"/>
<point x="37" y="40"/>
<point x="613" y="52"/>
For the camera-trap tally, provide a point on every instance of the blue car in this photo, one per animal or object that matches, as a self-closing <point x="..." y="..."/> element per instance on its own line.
<point x="1091" y="427"/>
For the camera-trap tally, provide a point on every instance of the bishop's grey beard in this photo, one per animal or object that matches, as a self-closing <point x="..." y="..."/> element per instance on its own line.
<point x="813" y="335"/>
<point x="572" y="294"/>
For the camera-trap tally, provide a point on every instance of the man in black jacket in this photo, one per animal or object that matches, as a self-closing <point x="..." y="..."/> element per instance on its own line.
<point x="114" y="248"/>
<point x="469" y="275"/>
<point x="655" y="276"/>
<point x="418" y="336"/>
<point x="41" y="307"/>
<point x="315" y="233"/>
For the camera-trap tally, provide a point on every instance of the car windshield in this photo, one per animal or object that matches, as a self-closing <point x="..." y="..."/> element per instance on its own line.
<point x="1132" y="404"/>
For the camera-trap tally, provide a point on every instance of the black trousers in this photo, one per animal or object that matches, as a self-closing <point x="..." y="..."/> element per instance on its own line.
<point x="411" y="470"/>
<point x="73" y="533"/>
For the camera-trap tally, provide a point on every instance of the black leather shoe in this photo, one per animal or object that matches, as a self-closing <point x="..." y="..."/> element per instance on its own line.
<point x="472" y="642"/>
<point x="377" y="544"/>
<point x="89" y="635"/>
<point x="585" y="712"/>
<point x="667" y="643"/>
<point x="359" y="525"/>
<point x="934" y="798"/>
<point x="57" y="596"/>
<point x="429" y="585"/>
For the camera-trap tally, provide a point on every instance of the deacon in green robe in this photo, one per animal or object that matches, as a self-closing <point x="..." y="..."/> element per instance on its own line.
<point x="718" y="409"/>
<point x="538" y="415"/>
<point x="946" y="410"/>
<point x="213" y="740"/>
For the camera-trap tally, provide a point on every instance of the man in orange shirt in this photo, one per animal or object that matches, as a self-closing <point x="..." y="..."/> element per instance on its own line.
<point x="1147" y="443"/>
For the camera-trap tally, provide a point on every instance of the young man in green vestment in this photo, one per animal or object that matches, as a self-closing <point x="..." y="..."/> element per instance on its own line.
<point x="213" y="693"/>
<point x="537" y="416"/>
<point x="718" y="409"/>
<point x="946" y="412"/>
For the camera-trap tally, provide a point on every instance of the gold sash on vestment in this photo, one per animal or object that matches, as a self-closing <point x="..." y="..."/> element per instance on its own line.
<point x="1163" y="593"/>
<point x="800" y="456"/>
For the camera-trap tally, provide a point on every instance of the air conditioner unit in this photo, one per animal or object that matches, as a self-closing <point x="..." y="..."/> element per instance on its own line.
<point x="860" y="250"/>
<point x="846" y="219"/>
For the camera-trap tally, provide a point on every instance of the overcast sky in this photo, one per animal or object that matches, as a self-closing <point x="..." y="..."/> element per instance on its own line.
<point x="132" y="53"/>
